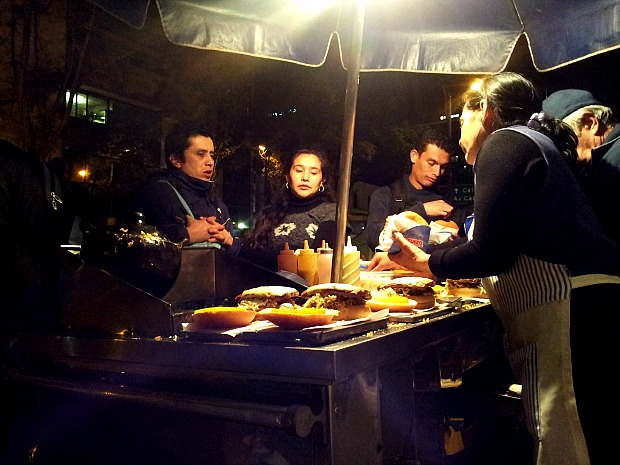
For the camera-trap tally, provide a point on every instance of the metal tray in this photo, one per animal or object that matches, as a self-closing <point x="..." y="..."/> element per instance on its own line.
<point x="437" y="311"/>
<point x="275" y="335"/>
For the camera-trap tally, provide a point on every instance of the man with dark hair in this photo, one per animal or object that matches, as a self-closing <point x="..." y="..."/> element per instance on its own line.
<point x="181" y="201"/>
<point x="416" y="191"/>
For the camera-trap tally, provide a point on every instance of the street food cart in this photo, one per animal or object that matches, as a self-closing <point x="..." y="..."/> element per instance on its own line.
<point x="127" y="384"/>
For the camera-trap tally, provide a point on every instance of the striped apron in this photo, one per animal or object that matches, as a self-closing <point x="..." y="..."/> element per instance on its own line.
<point x="532" y="300"/>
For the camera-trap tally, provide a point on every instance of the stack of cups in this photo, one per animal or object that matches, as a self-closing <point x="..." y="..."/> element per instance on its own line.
<point x="351" y="264"/>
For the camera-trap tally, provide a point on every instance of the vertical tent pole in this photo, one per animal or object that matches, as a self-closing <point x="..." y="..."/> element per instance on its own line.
<point x="348" y="130"/>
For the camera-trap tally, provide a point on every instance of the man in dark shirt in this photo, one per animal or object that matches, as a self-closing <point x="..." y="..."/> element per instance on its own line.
<point x="417" y="191"/>
<point x="181" y="201"/>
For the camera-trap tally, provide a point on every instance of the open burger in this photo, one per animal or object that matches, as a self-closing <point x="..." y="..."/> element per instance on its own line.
<point x="414" y="288"/>
<point x="350" y="301"/>
<point x="388" y="298"/>
<point x="258" y="298"/>
<point x="466" y="287"/>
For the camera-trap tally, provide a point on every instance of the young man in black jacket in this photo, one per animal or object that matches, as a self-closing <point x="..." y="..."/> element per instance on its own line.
<point x="418" y="190"/>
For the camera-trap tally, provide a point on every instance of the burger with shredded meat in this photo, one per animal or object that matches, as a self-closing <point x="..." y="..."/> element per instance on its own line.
<point x="350" y="301"/>
<point x="414" y="288"/>
<point x="466" y="287"/>
<point x="258" y="298"/>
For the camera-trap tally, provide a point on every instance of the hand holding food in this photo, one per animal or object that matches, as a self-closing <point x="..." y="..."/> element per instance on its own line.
<point x="402" y="222"/>
<point x="410" y="256"/>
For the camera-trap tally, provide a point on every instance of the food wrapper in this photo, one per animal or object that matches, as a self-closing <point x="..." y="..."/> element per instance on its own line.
<point x="418" y="234"/>
<point x="440" y="234"/>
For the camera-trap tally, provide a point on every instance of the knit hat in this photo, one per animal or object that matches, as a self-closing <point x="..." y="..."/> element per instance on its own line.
<point x="562" y="103"/>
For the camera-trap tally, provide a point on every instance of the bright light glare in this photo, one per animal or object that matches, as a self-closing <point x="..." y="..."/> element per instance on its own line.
<point x="83" y="173"/>
<point x="242" y="225"/>
<point x="476" y="85"/>
<point x="313" y="5"/>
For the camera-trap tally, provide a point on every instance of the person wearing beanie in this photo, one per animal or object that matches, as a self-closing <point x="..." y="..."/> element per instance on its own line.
<point x="598" y="148"/>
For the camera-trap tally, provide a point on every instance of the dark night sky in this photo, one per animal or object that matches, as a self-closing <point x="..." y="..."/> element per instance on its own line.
<point x="420" y="97"/>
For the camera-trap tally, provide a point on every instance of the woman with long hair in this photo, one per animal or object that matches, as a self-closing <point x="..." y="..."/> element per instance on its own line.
<point x="303" y="209"/>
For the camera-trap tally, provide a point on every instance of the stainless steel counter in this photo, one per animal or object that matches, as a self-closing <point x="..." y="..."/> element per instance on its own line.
<point x="324" y="404"/>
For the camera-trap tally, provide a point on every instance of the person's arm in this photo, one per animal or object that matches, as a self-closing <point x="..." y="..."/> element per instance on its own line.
<point x="510" y="171"/>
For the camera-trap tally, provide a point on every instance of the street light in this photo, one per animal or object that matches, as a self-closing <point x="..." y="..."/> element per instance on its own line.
<point x="262" y="153"/>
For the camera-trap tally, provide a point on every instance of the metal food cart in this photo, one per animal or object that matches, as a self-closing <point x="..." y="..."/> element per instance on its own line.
<point x="130" y="389"/>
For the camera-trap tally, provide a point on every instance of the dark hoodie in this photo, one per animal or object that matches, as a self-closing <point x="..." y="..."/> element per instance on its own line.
<point x="164" y="210"/>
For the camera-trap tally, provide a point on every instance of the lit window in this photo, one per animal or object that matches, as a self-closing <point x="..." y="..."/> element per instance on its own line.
<point x="88" y="107"/>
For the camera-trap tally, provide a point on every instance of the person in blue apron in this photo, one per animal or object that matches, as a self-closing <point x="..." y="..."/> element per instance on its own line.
<point x="548" y="268"/>
<point x="181" y="201"/>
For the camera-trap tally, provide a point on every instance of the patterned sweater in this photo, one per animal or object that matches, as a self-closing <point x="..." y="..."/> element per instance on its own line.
<point x="310" y="220"/>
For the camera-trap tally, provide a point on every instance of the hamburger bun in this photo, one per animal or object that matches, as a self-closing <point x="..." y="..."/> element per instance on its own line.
<point x="298" y="317"/>
<point x="261" y="297"/>
<point x="415" y="217"/>
<point x="414" y="288"/>
<point x="350" y="301"/>
<point x="222" y="317"/>
<point x="466" y="287"/>
<point x="447" y="224"/>
<point x="387" y="298"/>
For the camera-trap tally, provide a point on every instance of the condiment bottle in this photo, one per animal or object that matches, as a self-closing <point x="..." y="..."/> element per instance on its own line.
<point x="287" y="260"/>
<point x="324" y="263"/>
<point x="351" y="264"/>
<point x="307" y="264"/>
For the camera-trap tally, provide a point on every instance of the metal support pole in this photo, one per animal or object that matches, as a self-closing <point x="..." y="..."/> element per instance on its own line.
<point x="346" y="149"/>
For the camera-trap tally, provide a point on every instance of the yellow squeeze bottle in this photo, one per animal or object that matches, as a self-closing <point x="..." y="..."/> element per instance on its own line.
<point x="287" y="260"/>
<point x="307" y="264"/>
<point x="351" y="264"/>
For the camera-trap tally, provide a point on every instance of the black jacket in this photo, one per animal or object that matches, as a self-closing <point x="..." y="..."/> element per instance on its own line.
<point x="163" y="209"/>
<point x="383" y="204"/>
<point x="30" y="238"/>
